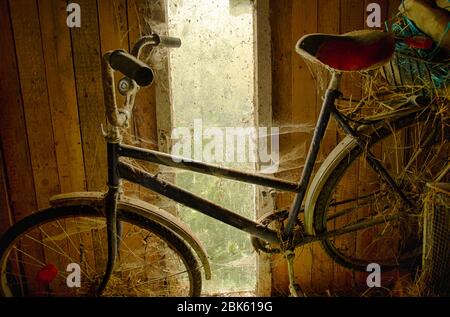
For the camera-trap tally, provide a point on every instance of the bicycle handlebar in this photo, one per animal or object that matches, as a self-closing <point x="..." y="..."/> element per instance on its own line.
<point x="155" y="40"/>
<point x="131" y="67"/>
<point x="168" y="41"/>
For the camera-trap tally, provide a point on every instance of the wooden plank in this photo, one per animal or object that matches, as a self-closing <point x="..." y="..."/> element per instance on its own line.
<point x="14" y="142"/>
<point x="113" y="23"/>
<point x="62" y="95"/>
<point x="16" y="155"/>
<point x="282" y="51"/>
<point x="87" y="58"/>
<point x="263" y="100"/>
<point x="6" y="217"/>
<point x="144" y="126"/>
<point x="32" y="72"/>
<point x="57" y="49"/>
<point x="113" y="27"/>
<point x="282" y="69"/>
<point x="387" y="153"/>
<point x="352" y="18"/>
<point x="152" y="17"/>
<point x="367" y="179"/>
<point x="304" y="111"/>
<point x="91" y="108"/>
<point x="328" y="22"/>
<point x="35" y="99"/>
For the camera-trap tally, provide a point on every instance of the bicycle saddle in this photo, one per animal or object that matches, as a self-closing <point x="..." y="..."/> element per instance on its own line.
<point x="354" y="51"/>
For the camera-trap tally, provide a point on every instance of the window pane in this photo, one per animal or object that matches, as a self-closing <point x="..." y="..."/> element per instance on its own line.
<point x="212" y="86"/>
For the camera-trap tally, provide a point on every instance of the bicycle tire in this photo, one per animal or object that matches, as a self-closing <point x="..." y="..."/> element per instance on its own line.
<point x="131" y="219"/>
<point x="350" y="154"/>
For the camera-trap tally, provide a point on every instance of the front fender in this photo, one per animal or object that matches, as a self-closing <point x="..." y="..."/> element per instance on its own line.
<point x="96" y="199"/>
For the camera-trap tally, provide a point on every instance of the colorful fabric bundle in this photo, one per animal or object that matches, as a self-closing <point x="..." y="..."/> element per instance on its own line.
<point x="422" y="56"/>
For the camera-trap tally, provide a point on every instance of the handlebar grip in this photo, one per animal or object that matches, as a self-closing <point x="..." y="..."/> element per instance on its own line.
<point x="131" y="67"/>
<point x="168" y="41"/>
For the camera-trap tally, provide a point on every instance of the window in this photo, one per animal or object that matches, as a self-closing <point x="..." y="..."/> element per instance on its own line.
<point x="212" y="91"/>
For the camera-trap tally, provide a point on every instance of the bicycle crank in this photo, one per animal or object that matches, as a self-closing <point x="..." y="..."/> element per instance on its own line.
<point x="275" y="220"/>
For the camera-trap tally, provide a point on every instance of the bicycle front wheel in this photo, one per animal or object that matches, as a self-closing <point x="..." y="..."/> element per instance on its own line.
<point x="43" y="254"/>
<point x="349" y="194"/>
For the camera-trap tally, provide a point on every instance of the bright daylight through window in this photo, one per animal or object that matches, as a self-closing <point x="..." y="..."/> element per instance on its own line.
<point x="212" y="87"/>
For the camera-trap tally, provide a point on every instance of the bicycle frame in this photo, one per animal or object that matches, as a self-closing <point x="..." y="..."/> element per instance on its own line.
<point x="125" y="171"/>
<point x="120" y="170"/>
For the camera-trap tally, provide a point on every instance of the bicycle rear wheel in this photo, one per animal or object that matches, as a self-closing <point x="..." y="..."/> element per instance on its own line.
<point x="36" y="254"/>
<point x="414" y="151"/>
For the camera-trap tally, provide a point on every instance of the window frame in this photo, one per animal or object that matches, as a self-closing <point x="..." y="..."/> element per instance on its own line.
<point x="263" y="116"/>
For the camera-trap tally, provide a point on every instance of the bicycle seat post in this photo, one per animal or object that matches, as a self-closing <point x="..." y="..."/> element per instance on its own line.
<point x="335" y="82"/>
<point x="328" y="107"/>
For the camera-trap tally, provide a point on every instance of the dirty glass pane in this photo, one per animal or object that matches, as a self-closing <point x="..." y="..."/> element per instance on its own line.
<point x="212" y="91"/>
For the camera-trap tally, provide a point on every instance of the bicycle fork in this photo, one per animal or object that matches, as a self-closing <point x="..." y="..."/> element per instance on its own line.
<point x="113" y="226"/>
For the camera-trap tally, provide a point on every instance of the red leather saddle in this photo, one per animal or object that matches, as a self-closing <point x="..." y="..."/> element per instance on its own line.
<point x="354" y="51"/>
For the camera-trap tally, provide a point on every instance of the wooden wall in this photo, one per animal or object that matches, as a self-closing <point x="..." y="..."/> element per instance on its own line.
<point x="296" y="101"/>
<point x="51" y="98"/>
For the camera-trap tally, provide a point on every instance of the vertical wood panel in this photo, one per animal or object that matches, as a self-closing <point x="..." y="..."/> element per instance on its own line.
<point x="6" y="219"/>
<point x="263" y="118"/>
<point x="35" y="98"/>
<point x="366" y="180"/>
<point x="57" y="52"/>
<point x="282" y="50"/>
<point x="304" y="111"/>
<point x="13" y="131"/>
<point x="91" y="108"/>
<point x="281" y="13"/>
<point x="38" y="118"/>
<point x="62" y="94"/>
<point x="113" y="25"/>
<point x="352" y="18"/>
<point x="328" y="22"/>
<point x="144" y="126"/>
<point x="144" y="119"/>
